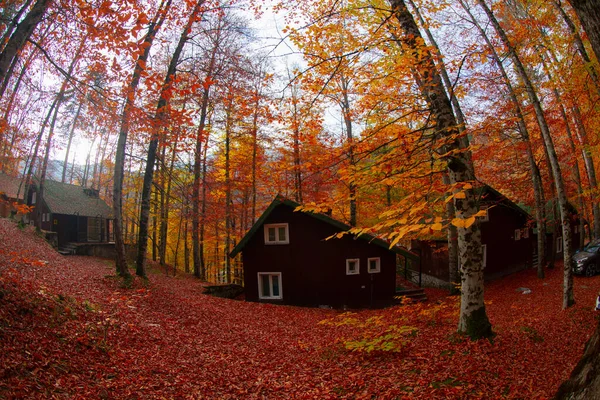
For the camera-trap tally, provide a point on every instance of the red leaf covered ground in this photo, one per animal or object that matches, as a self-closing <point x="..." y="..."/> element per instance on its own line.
<point x="68" y="330"/>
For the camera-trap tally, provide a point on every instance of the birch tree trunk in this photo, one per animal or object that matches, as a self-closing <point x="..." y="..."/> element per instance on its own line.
<point x="584" y="382"/>
<point x="536" y="178"/>
<point x="473" y="319"/>
<point x="568" y="297"/>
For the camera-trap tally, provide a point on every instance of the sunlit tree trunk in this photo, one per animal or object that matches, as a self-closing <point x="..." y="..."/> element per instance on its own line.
<point x="473" y="319"/>
<point x="568" y="298"/>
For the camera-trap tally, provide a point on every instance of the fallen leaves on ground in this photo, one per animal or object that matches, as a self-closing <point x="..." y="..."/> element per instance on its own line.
<point x="68" y="329"/>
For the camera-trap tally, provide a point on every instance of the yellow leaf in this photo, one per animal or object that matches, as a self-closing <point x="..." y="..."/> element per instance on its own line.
<point x="437" y="227"/>
<point x="458" y="222"/>
<point x="469" y="221"/>
<point x="481" y="213"/>
<point x="467" y="186"/>
<point x="449" y="198"/>
<point x="460" y="195"/>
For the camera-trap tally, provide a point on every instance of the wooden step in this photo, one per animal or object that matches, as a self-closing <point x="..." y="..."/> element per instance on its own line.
<point x="416" y="295"/>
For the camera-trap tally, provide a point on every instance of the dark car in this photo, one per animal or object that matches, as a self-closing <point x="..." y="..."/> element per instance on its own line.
<point x="587" y="261"/>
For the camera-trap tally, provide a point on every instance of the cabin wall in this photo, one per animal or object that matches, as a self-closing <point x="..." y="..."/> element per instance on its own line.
<point x="506" y="250"/>
<point x="313" y="270"/>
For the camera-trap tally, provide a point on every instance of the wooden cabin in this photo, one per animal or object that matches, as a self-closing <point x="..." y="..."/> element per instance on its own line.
<point x="287" y="259"/>
<point x="75" y="213"/>
<point x="507" y="239"/>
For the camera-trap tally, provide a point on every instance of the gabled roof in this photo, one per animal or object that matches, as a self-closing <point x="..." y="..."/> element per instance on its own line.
<point x="485" y="189"/>
<point x="279" y="200"/>
<point x="9" y="186"/>
<point x="63" y="198"/>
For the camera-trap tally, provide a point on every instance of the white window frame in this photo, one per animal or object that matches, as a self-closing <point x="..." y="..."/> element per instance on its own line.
<point x="260" y="288"/>
<point x="277" y="239"/>
<point x="357" y="261"/>
<point x="377" y="268"/>
<point x="33" y="197"/>
<point x="517" y="234"/>
<point x="576" y="229"/>
<point x="559" y="244"/>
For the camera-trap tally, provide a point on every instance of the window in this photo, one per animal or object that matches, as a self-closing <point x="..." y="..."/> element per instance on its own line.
<point x="559" y="245"/>
<point x="525" y="233"/>
<point x="517" y="234"/>
<point x="352" y="266"/>
<point x="576" y="229"/>
<point x="33" y="197"/>
<point x="43" y="217"/>
<point x="277" y="234"/>
<point x="269" y="285"/>
<point x="374" y="265"/>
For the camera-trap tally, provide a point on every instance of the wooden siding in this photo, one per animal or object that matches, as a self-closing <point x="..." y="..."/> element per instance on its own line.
<point x="313" y="270"/>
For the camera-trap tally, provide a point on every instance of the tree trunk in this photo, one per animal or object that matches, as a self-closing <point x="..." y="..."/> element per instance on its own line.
<point x="345" y="106"/>
<point x="473" y="319"/>
<point x="197" y="249"/>
<point x="536" y="178"/>
<point x="228" y="200"/>
<point x="20" y="36"/>
<point x="69" y="141"/>
<point x="587" y="11"/>
<point x="584" y="382"/>
<point x="590" y="168"/>
<point x="140" y="66"/>
<point x="158" y="125"/>
<point x="568" y="297"/>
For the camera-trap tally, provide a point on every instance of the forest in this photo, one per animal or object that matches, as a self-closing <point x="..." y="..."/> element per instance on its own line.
<point x="388" y="114"/>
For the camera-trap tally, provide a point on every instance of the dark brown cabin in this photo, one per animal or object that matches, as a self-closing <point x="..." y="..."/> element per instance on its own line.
<point x="75" y="213"/>
<point x="287" y="260"/>
<point x="507" y="239"/>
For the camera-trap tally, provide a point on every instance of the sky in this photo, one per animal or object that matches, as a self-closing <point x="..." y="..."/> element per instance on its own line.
<point x="268" y="30"/>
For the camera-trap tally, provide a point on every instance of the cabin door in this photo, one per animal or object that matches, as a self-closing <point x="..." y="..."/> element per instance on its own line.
<point x="94" y="232"/>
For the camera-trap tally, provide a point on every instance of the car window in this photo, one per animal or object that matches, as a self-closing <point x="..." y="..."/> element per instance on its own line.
<point x="592" y="249"/>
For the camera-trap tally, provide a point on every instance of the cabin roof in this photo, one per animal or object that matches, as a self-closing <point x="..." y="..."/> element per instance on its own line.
<point x="9" y="185"/>
<point x="64" y="198"/>
<point x="279" y="200"/>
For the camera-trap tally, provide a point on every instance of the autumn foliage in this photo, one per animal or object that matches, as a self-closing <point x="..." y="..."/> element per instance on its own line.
<point x="69" y="329"/>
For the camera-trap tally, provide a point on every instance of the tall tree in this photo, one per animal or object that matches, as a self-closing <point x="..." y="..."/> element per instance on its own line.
<point x="130" y="95"/>
<point x="568" y="297"/>
<point x="584" y="382"/>
<point x="158" y="125"/>
<point x="473" y="319"/>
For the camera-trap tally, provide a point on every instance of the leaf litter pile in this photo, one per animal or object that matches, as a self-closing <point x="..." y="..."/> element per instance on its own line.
<point x="70" y="329"/>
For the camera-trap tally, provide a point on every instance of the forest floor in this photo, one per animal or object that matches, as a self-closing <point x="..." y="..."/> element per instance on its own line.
<point x="69" y="329"/>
